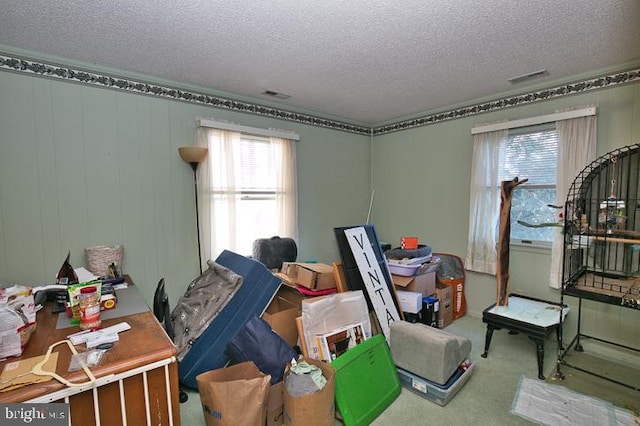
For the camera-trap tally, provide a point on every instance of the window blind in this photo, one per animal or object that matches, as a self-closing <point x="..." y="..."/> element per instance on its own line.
<point x="531" y="155"/>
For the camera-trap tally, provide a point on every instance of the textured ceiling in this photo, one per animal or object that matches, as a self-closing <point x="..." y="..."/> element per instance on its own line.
<point x="367" y="62"/>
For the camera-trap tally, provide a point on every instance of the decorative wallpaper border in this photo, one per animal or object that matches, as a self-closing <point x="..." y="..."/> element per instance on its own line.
<point x="141" y="87"/>
<point x="112" y="82"/>
<point x="517" y="100"/>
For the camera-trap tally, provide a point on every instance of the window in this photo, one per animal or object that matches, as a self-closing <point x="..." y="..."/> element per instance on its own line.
<point x="255" y="191"/>
<point x="531" y="152"/>
<point x="249" y="190"/>
<point x="549" y="155"/>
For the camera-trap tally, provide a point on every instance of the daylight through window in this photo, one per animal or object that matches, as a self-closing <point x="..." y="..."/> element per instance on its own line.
<point x="531" y="153"/>
<point x="249" y="189"/>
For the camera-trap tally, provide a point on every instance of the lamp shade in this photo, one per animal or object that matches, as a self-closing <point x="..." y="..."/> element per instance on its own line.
<point x="192" y="154"/>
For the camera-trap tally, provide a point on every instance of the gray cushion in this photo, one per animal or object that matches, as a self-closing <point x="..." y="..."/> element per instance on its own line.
<point x="427" y="352"/>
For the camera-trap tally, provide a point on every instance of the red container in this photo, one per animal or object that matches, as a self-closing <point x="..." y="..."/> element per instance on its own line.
<point x="409" y="243"/>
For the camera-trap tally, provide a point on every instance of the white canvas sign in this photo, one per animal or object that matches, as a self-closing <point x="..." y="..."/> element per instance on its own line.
<point x="373" y="278"/>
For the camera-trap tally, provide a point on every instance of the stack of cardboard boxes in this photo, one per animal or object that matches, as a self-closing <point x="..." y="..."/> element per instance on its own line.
<point x="422" y="299"/>
<point x="420" y="296"/>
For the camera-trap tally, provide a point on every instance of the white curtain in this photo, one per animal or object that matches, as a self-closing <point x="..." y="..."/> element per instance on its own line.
<point x="285" y="155"/>
<point x="484" y="202"/>
<point x="217" y="190"/>
<point x="576" y="149"/>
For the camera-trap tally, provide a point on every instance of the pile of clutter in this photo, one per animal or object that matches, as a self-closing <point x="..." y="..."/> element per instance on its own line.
<point x="311" y="356"/>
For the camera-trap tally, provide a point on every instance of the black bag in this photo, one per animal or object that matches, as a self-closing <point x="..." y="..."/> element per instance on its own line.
<point x="275" y="250"/>
<point x="257" y="342"/>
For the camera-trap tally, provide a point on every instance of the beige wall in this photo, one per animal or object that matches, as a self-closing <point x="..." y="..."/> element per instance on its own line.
<point x="81" y="166"/>
<point x="421" y="178"/>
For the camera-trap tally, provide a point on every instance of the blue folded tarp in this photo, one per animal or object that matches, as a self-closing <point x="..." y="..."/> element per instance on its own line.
<point x="258" y="288"/>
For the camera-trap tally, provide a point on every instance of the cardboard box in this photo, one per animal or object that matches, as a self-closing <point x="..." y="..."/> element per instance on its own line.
<point x="281" y="315"/>
<point x="286" y="279"/>
<point x="410" y="301"/>
<point x="424" y="283"/>
<point x="444" y="293"/>
<point x="291" y="295"/>
<point x="275" y="405"/>
<point x="303" y="342"/>
<point x="446" y="313"/>
<point x="315" y="276"/>
<point x="289" y="269"/>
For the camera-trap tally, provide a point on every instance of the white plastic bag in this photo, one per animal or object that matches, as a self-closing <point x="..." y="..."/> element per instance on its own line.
<point x="324" y="314"/>
<point x="17" y="319"/>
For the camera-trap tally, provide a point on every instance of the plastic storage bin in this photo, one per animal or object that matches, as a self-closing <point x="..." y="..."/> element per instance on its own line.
<point x="440" y="394"/>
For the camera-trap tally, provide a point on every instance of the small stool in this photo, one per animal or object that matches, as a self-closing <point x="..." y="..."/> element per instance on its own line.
<point x="532" y="317"/>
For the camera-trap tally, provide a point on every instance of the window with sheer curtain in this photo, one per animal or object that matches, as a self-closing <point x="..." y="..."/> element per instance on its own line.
<point x="550" y="156"/>
<point x="248" y="190"/>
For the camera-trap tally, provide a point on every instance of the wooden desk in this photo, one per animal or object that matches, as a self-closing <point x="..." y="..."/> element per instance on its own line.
<point x="137" y="380"/>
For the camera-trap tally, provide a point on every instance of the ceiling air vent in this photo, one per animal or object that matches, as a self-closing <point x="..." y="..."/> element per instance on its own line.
<point x="276" y="94"/>
<point x="527" y="77"/>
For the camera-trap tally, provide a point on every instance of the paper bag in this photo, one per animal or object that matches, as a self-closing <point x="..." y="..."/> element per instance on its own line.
<point x="17" y="319"/>
<point x="312" y="409"/>
<point x="235" y="395"/>
<point x="18" y="373"/>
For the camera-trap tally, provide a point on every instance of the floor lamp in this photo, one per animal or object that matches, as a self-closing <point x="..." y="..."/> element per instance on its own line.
<point x="194" y="155"/>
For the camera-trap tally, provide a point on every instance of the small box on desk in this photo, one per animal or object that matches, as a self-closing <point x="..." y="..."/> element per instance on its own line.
<point x="108" y="301"/>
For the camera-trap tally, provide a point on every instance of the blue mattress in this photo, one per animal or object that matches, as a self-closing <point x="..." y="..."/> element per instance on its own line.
<point x="259" y="286"/>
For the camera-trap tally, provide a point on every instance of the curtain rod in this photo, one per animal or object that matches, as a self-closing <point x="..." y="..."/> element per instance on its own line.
<point x="203" y="122"/>
<point x="532" y="121"/>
